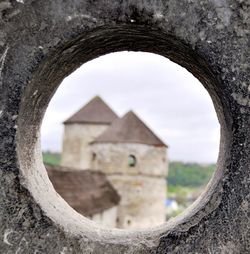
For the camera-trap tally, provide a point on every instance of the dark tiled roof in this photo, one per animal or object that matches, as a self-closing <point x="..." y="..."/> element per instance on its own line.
<point x="129" y="129"/>
<point x="87" y="191"/>
<point x="95" y="111"/>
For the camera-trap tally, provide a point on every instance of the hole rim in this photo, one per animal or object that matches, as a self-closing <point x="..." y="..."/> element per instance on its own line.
<point x="91" y="45"/>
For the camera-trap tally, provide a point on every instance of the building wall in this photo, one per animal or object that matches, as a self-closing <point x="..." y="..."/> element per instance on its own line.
<point x="113" y="159"/>
<point x="142" y="200"/>
<point x="107" y="218"/>
<point x="76" y="152"/>
<point x="142" y="188"/>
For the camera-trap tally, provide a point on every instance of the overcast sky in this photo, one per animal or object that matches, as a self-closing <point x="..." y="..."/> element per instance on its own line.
<point x="169" y="99"/>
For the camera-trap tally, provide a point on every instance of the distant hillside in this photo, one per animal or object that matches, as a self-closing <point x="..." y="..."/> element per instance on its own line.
<point x="52" y="158"/>
<point x="189" y="174"/>
<point x="180" y="174"/>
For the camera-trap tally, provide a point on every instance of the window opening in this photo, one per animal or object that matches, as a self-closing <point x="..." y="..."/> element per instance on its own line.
<point x="132" y="160"/>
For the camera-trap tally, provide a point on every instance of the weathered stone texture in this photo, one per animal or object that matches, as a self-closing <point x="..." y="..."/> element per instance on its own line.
<point x="142" y="201"/>
<point x="113" y="159"/>
<point x="142" y="188"/>
<point x="76" y="151"/>
<point x="43" y="41"/>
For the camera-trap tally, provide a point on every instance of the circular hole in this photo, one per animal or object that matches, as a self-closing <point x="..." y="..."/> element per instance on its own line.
<point x="41" y="88"/>
<point x="90" y="141"/>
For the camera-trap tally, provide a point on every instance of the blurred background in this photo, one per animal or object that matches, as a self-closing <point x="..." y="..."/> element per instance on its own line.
<point x="169" y="99"/>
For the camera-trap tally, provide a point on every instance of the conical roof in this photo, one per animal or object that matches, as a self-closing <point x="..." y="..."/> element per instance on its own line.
<point x="95" y="111"/>
<point x="129" y="129"/>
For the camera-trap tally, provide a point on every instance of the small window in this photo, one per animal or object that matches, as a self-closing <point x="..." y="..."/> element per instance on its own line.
<point x="131" y="160"/>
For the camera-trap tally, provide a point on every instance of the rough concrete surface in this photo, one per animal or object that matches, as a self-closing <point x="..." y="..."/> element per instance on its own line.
<point x="41" y="42"/>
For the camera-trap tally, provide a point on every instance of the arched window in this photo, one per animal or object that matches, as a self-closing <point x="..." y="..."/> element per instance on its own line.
<point x="131" y="160"/>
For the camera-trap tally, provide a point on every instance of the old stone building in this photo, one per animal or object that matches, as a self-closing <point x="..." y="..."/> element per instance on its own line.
<point x="131" y="156"/>
<point x="81" y="129"/>
<point x="134" y="160"/>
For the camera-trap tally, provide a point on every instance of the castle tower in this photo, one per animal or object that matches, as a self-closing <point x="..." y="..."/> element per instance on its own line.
<point x="135" y="162"/>
<point x="81" y="129"/>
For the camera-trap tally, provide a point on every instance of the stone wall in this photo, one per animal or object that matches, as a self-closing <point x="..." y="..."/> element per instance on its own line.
<point x="142" y="187"/>
<point x="41" y="42"/>
<point x="76" y="139"/>
<point x="142" y="200"/>
<point x="114" y="159"/>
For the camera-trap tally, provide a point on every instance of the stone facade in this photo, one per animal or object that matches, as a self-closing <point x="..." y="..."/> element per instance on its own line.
<point x="114" y="159"/>
<point x="142" y="201"/>
<point x="136" y="170"/>
<point x="142" y="187"/>
<point x="76" y="152"/>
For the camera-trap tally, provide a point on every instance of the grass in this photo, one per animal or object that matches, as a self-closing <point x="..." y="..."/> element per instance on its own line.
<point x="183" y="194"/>
<point x="186" y="182"/>
<point x="52" y="158"/>
<point x="189" y="174"/>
